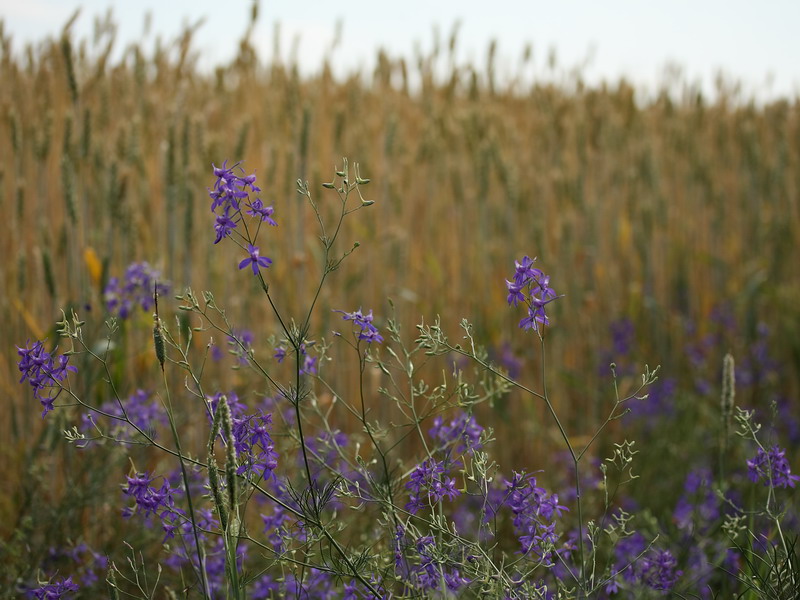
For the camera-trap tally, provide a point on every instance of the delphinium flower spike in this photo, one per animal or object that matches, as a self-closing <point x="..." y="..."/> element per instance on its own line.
<point x="772" y="468"/>
<point x="368" y="332"/>
<point x="230" y="201"/>
<point x="44" y="371"/>
<point x="531" y="287"/>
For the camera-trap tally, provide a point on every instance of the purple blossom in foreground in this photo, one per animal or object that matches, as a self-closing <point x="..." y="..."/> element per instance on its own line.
<point x="135" y="288"/>
<point x="44" y="371"/>
<point x="772" y="468"/>
<point x="534" y="511"/>
<point x="223" y="227"/>
<point x="430" y="483"/>
<point x="368" y="332"/>
<point x="54" y="590"/>
<point x="257" y="209"/>
<point x="230" y="200"/>
<point x="151" y="501"/>
<point x="229" y="189"/>
<point x="255" y="260"/>
<point x="531" y="287"/>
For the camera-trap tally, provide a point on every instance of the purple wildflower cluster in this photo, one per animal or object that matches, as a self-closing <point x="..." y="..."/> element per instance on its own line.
<point x="367" y="331"/>
<point x="429" y="573"/>
<point x="698" y="508"/>
<point x="230" y="197"/>
<point x="44" y="371"/>
<point x="150" y="501"/>
<point x="140" y="408"/>
<point x="275" y="527"/>
<point x="635" y="565"/>
<point x="462" y="433"/>
<point x="215" y="562"/>
<point x="86" y="565"/>
<point x="772" y="468"/>
<point x="422" y="567"/>
<point x="430" y="483"/>
<point x="55" y="589"/>
<point x="252" y="439"/>
<point x="534" y="511"/>
<point x="135" y="288"/>
<point x="531" y="287"/>
<point x="314" y="584"/>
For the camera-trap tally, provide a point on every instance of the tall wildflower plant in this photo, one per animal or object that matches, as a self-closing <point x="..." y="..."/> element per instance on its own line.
<point x="269" y="496"/>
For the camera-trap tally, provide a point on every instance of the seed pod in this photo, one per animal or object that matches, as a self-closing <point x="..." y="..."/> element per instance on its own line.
<point x="158" y="333"/>
<point x="728" y="386"/>
<point x="158" y="340"/>
<point x="230" y="458"/>
<point x="111" y="582"/>
<point x="726" y="400"/>
<point x="213" y="476"/>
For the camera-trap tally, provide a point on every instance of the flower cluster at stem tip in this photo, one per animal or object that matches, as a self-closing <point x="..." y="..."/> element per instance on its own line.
<point x="44" y="371"/>
<point x="772" y="468"/>
<point x="229" y="193"/>
<point x="531" y="287"/>
<point x="368" y="332"/>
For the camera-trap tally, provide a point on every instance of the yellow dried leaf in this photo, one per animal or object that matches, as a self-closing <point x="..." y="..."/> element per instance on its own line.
<point x="93" y="264"/>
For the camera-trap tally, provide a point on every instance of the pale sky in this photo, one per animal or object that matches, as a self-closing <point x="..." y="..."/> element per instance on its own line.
<point x="756" y="43"/>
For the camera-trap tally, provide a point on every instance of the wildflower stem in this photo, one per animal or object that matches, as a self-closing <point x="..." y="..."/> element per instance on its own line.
<point x="202" y="576"/>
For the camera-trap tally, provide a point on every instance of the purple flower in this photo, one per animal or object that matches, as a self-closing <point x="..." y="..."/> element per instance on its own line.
<point x="44" y="372"/>
<point x="140" y="408"/>
<point x="280" y="353"/>
<point x="659" y="570"/>
<point x="148" y="499"/>
<point x="515" y="294"/>
<point x="257" y="209"/>
<point x="229" y="189"/>
<point x="136" y="287"/>
<point x="368" y="332"/>
<point x="255" y="260"/>
<point x="771" y="467"/>
<point x="524" y="271"/>
<point x="463" y="432"/>
<point x="539" y="293"/>
<point x="224" y="226"/>
<point x="309" y="366"/>
<point x="229" y="192"/>
<point x="533" y="510"/>
<point x="55" y="590"/>
<point x="430" y="483"/>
